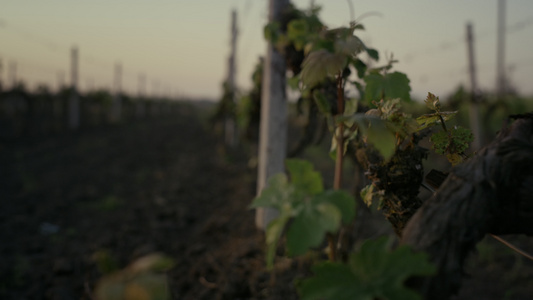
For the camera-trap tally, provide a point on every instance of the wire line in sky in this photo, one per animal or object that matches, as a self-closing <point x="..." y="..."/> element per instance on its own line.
<point x="450" y="45"/>
<point x="87" y="59"/>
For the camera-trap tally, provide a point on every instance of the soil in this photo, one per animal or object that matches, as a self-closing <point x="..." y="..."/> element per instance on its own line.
<point x="162" y="185"/>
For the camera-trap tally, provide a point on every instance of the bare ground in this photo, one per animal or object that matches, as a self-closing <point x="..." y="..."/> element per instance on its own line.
<point x="165" y="186"/>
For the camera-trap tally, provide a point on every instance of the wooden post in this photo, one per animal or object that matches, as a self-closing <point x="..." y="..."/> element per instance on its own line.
<point x="154" y="98"/>
<point x="12" y="74"/>
<point x="74" y="100"/>
<point x="155" y="89"/>
<point x="59" y="110"/>
<point x="274" y="123"/>
<point x="141" y="85"/>
<point x="89" y="84"/>
<point x="474" y="105"/>
<point x="230" y="124"/>
<point x="1" y="79"/>
<point x="116" y="107"/>
<point x="500" y="51"/>
<point x="140" y="109"/>
<point x="60" y="80"/>
<point x="1" y="75"/>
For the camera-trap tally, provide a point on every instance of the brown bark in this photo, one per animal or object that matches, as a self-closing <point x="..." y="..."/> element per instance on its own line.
<point x="490" y="193"/>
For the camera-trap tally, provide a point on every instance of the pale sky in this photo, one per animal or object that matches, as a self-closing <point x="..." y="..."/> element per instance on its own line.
<point x="182" y="46"/>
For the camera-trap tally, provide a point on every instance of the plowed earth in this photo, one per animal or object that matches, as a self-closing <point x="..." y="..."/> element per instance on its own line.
<point x="162" y="185"/>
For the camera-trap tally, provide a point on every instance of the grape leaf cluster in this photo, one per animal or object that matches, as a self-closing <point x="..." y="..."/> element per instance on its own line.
<point x="449" y="142"/>
<point x="302" y="199"/>
<point x="373" y="272"/>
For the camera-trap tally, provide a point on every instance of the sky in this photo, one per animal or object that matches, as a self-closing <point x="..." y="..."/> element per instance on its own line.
<point x="182" y="46"/>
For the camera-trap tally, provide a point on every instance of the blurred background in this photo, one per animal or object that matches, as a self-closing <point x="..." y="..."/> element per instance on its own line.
<point x="131" y="127"/>
<point x="180" y="48"/>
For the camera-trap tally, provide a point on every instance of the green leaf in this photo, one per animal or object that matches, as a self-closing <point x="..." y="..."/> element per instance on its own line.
<point x="454" y="158"/>
<point x="386" y="271"/>
<point x="389" y="108"/>
<point x="281" y="42"/>
<point x="388" y="86"/>
<point x="376" y="132"/>
<point x="374" y="272"/>
<point x="322" y="103"/>
<point x="374" y="87"/>
<point x="303" y="177"/>
<point x="372" y="198"/>
<point x="273" y="234"/>
<point x="296" y="28"/>
<point x="349" y="46"/>
<point x="315" y="212"/>
<point x="372" y="53"/>
<point x="320" y="64"/>
<point x="310" y="226"/>
<point x="152" y="262"/>
<point x="271" y="32"/>
<point x="367" y="194"/>
<point x="428" y="120"/>
<point x="297" y="33"/>
<point x="452" y="143"/>
<point x="294" y="82"/>
<point x="142" y="286"/>
<point x="440" y="142"/>
<point x="140" y="280"/>
<point x="360" y="89"/>
<point x="347" y="135"/>
<point x="342" y="200"/>
<point x="278" y="194"/>
<point x="332" y="281"/>
<point x="432" y="102"/>
<point x="320" y="44"/>
<point x="360" y="66"/>
<point x="275" y="194"/>
<point x="350" y="108"/>
<point x="381" y="137"/>
<point x="358" y="27"/>
<point x="461" y="138"/>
